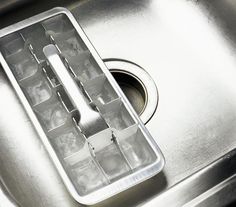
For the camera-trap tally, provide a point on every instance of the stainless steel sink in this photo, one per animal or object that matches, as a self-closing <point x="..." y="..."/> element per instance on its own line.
<point x="188" y="48"/>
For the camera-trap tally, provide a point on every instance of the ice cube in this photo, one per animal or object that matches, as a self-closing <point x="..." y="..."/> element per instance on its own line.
<point x="137" y="150"/>
<point x="25" y="69"/>
<point x="68" y="143"/>
<point x="116" y="115"/>
<point x="69" y="44"/>
<point x="38" y="91"/>
<point x="57" y="24"/>
<point x="11" y="44"/>
<point x="53" y="116"/>
<point x="100" y="90"/>
<point x="88" y="177"/>
<point x="112" y="162"/>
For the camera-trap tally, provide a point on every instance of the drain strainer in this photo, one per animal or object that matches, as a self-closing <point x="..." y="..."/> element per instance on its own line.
<point x="137" y="85"/>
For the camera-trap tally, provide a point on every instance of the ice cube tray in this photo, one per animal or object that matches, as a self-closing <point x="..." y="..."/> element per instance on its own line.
<point x="94" y="137"/>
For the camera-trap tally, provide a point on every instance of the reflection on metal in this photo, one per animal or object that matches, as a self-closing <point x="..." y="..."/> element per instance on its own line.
<point x="5" y="197"/>
<point x="6" y="5"/>
<point x="188" y="48"/>
<point x="215" y="185"/>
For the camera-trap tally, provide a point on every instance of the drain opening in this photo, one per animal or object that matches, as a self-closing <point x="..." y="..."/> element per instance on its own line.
<point x="137" y="85"/>
<point x="132" y="88"/>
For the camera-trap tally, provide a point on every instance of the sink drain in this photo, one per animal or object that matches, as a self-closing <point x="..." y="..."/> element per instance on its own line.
<point x="137" y="85"/>
<point x="132" y="88"/>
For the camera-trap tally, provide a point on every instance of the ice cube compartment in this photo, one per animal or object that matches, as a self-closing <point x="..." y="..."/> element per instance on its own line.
<point x="94" y="165"/>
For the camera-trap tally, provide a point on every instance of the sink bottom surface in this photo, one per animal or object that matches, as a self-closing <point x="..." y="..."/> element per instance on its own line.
<point x="188" y="48"/>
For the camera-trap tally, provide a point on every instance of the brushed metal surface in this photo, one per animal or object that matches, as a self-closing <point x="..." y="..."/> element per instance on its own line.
<point x="188" y="47"/>
<point x="213" y="185"/>
<point x="6" y="5"/>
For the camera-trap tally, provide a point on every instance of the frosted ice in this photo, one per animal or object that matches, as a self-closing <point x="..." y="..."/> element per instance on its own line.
<point x="68" y="143"/>
<point x="119" y="122"/>
<point x="53" y="116"/>
<point x="112" y="162"/>
<point x="106" y="96"/>
<point x="100" y="90"/>
<point x="13" y="46"/>
<point x="38" y="92"/>
<point x="25" y="69"/>
<point x="89" y="71"/>
<point x="88" y="177"/>
<point x="58" y="25"/>
<point x="137" y="150"/>
<point x="120" y="119"/>
<point x="70" y="47"/>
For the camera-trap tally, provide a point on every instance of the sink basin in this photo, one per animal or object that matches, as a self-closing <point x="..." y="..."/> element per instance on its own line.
<point x="188" y="48"/>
